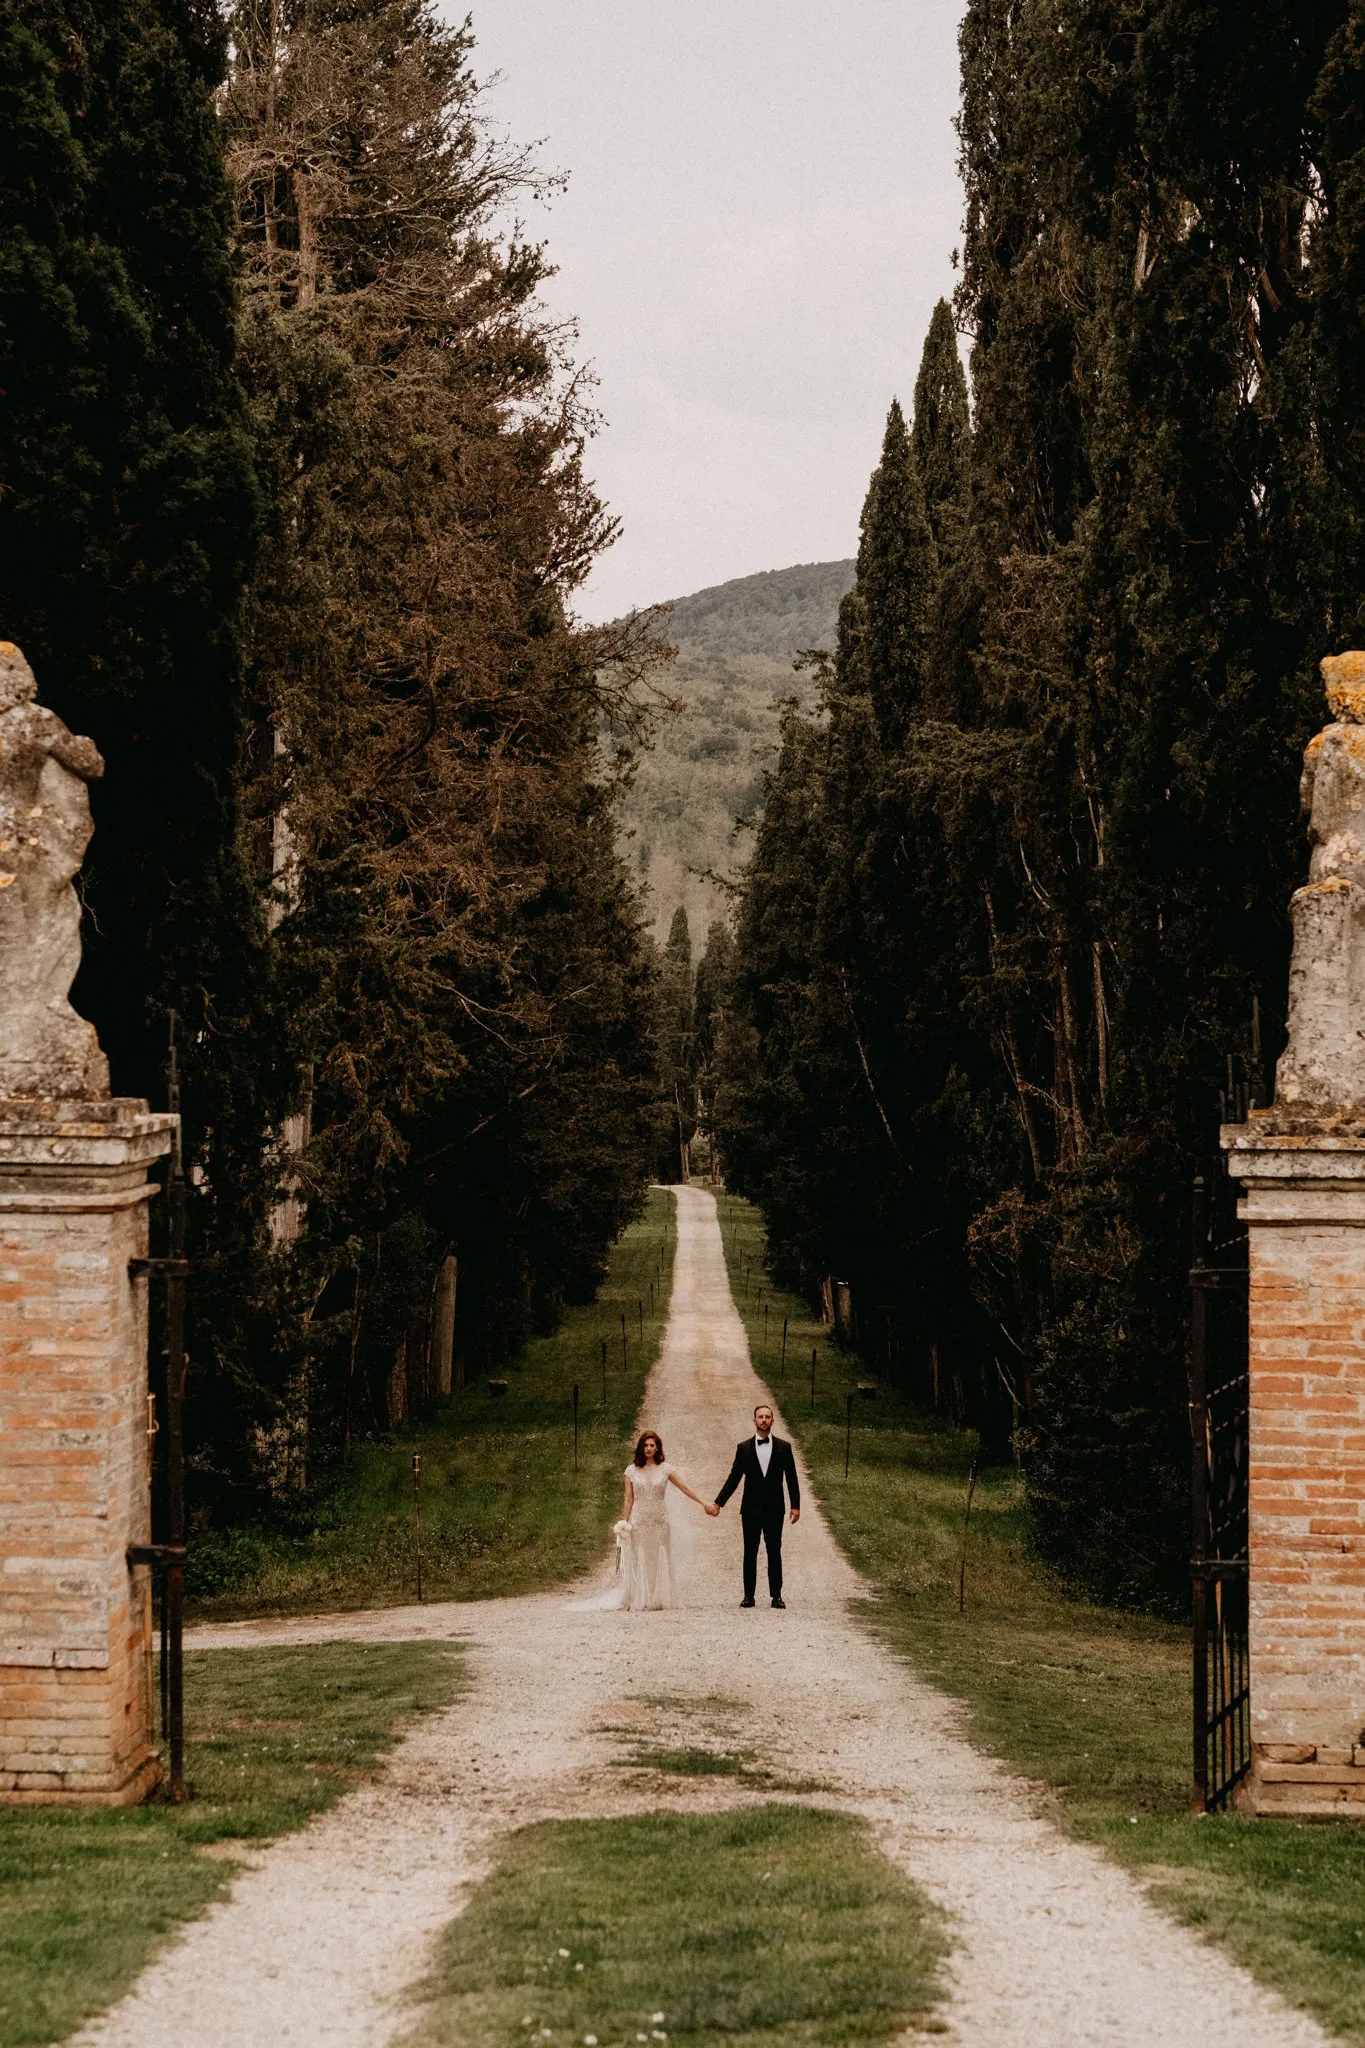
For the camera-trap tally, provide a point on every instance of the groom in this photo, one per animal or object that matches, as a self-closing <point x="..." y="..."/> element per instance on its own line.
<point x="763" y="1461"/>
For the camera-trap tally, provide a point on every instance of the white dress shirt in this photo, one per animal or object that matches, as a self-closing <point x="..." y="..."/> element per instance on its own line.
<point x="764" y="1447"/>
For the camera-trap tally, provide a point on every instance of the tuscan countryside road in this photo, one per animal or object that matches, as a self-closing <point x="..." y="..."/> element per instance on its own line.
<point x="321" y="1939"/>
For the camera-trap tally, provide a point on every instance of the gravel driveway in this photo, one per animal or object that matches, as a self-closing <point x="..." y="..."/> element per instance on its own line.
<point x="322" y="1938"/>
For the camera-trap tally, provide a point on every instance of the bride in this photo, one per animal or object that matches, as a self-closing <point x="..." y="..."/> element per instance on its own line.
<point x="649" y="1578"/>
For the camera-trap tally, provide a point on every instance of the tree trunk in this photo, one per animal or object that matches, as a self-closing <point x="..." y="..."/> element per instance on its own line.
<point x="398" y="1385"/>
<point x="443" y="1324"/>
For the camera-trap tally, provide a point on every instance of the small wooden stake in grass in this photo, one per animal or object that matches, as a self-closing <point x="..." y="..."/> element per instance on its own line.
<point x="575" y="1425"/>
<point x="962" y="1574"/>
<point x="417" y="1514"/>
<point x="640" y="1311"/>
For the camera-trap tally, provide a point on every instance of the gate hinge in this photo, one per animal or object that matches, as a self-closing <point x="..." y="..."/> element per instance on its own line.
<point x="155" y="1553"/>
<point x="158" y="1269"/>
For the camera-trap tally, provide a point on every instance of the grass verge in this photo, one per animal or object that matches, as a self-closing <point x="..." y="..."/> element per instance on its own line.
<point x="1092" y="1703"/>
<point x="503" y="1509"/>
<point x="275" y="1736"/>
<point x="770" y="1925"/>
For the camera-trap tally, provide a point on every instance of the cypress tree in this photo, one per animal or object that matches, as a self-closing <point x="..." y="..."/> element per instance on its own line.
<point x="678" y="1045"/>
<point x="711" y="995"/>
<point x="941" y="436"/>
<point x="885" y="621"/>
<point x="1095" y="780"/>
<point x="1328" y="357"/>
<point x="127" y="506"/>
<point x="465" y="989"/>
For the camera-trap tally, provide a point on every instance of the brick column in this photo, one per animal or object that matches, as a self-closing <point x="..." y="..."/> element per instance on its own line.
<point x="75" y="1694"/>
<point x="1304" y="1205"/>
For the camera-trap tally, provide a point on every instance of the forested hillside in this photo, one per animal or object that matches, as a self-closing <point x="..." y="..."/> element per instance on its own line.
<point x="1015" y="905"/>
<point x="703" y="771"/>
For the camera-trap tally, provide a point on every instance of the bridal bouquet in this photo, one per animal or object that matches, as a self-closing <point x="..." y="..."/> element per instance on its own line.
<point x="624" y="1534"/>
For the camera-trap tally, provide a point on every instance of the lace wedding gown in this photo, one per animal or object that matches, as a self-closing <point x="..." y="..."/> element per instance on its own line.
<point x="647" y="1570"/>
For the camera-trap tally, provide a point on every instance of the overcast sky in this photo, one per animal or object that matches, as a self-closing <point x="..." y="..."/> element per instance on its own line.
<point x="762" y="209"/>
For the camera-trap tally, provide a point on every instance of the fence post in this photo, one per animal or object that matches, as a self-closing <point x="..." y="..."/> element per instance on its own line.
<point x="417" y="1513"/>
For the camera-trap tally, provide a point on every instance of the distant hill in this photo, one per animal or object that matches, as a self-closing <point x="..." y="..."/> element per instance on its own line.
<point x="701" y="782"/>
<point x="776" y="613"/>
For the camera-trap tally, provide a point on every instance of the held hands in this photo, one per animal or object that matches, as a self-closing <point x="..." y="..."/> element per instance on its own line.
<point x="710" y="1507"/>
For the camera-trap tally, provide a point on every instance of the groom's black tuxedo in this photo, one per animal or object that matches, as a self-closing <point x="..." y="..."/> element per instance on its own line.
<point x="762" y="1508"/>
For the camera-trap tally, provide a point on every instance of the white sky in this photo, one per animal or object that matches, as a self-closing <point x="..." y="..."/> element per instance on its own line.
<point x="762" y="208"/>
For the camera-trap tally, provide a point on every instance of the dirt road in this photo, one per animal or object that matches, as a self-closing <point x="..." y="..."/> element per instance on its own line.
<point x="322" y="1937"/>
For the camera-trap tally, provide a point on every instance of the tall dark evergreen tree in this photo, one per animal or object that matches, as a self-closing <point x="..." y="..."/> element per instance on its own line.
<point x="465" y="992"/>
<point x="885" y="622"/>
<point x="677" y="1042"/>
<point x="711" y="995"/>
<point x="1163" y="287"/>
<point x="941" y="436"/>
<point x="127" y="505"/>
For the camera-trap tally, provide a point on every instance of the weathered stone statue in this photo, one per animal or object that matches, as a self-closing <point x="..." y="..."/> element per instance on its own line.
<point x="46" y="1050"/>
<point x="1321" y="1072"/>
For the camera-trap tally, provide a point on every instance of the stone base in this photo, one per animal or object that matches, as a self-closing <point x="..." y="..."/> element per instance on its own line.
<point x="139" y="1785"/>
<point x="1300" y="1782"/>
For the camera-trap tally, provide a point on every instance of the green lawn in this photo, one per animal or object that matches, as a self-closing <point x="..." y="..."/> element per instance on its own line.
<point x="761" y="1928"/>
<point x="274" y="1737"/>
<point x="1092" y="1703"/>
<point x="503" y="1510"/>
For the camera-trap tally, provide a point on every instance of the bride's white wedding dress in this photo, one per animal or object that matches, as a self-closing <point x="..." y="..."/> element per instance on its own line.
<point x="648" y="1575"/>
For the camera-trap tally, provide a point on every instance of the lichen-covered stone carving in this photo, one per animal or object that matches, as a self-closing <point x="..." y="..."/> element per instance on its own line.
<point x="1322" y="1069"/>
<point x="45" y="1048"/>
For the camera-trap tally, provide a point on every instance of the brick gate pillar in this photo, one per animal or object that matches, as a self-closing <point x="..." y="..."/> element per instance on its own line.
<point x="1304" y="1206"/>
<point x="76" y="1719"/>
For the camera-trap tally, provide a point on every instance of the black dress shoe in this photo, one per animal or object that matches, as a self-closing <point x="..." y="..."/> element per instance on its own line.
<point x="746" y="1603"/>
<point x="779" y="1602"/>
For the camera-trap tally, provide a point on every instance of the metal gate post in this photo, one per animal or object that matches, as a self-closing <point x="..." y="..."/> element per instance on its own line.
<point x="1199" y="1499"/>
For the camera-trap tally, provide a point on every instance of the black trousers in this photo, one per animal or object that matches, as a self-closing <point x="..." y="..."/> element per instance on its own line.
<point x="768" y="1528"/>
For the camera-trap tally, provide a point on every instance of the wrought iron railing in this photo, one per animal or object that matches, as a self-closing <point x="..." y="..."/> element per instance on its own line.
<point x="1219" y="1282"/>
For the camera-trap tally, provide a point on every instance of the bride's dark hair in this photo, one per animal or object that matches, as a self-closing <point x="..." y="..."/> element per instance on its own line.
<point x="650" y="1435"/>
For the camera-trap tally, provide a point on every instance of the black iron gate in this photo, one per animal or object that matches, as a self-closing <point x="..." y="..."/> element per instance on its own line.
<point x="167" y="1430"/>
<point x="1218" y="1420"/>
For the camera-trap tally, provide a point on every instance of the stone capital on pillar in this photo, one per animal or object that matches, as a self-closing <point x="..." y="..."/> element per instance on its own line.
<point x="75" y="1625"/>
<point x="1303" y="1181"/>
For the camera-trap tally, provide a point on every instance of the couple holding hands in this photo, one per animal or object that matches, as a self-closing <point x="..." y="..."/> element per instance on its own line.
<point x="763" y="1464"/>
